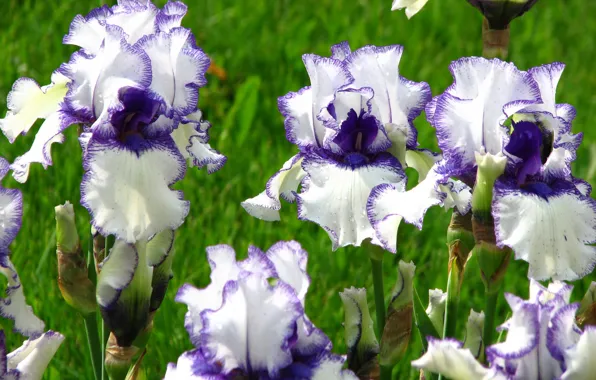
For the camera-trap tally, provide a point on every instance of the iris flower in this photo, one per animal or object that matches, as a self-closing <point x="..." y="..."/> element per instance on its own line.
<point x="250" y="321"/>
<point x="133" y="86"/>
<point x="540" y="210"/>
<point x="354" y="129"/>
<point x="543" y="342"/>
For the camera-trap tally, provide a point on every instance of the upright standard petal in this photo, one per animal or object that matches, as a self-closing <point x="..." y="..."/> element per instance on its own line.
<point x="469" y="116"/>
<point x="28" y="102"/>
<point x="337" y="194"/>
<point x="550" y="227"/>
<point x="282" y="184"/>
<point x="31" y="359"/>
<point x="580" y="358"/>
<point x="129" y="194"/>
<point x="14" y="305"/>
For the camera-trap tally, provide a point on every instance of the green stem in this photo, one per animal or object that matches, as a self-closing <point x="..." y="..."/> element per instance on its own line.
<point x="377" y="274"/>
<point x="105" y="333"/>
<point x="452" y="303"/>
<point x="489" y="315"/>
<point x="94" y="344"/>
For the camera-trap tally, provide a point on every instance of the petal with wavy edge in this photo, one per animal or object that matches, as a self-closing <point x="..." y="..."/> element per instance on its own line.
<point x="95" y="80"/>
<point x="470" y="114"/>
<point x="396" y="100"/>
<point x="290" y="260"/>
<point x="178" y="69"/>
<point x="390" y="203"/>
<point x="11" y="214"/>
<point x="28" y="102"/>
<point x="330" y="368"/>
<point x="135" y="18"/>
<point x="341" y="50"/>
<point x="129" y="195"/>
<point x="337" y="195"/>
<point x="49" y="133"/>
<point x="14" y="306"/>
<point x="116" y="273"/>
<point x="171" y="15"/>
<point x="254" y="328"/>
<point x="551" y="233"/>
<point x="159" y="247"/>
<point x="32" y="358"/>
<point x="301" y="109"/>
<point x="449" y="359"/>
<point x="191" y="139"/>
<point x="580" y="358"/>
<point x="88" y="32"/>
<point x="562" y="332"/>
<point x="282" y="184"/>
<point x="192" y="365"/>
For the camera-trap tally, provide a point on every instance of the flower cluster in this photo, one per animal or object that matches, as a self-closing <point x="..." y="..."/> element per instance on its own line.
<point x="543" y="342"/>
<point x="354" y="129"/>
<point x="494" y="112"/>
<point x="250" y="321"/>
<point x="133" y="86"/>
<point x="30" y="360"/>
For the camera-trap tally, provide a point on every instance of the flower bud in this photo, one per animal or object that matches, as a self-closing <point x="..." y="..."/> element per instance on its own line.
<point x="398" y="326"/>
<point x="586" y="315"/>
<point x="474" y="329"/>
<point x="436" y="308"/>
<point x="359" y="332"/>
<point x="73" y="277"/>
<point x="499" y="13"/>
<point x="490" y="167"/>
<point x="162" y="271"/>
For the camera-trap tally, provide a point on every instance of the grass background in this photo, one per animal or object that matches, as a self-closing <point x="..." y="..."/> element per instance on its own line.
<point x="259" y="43"/>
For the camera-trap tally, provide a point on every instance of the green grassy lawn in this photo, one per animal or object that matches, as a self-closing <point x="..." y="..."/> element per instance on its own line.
<point x="259" y="43"/>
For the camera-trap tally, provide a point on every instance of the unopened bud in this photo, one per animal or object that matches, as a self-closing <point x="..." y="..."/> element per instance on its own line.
<point x="119" y="359"/>
<point x="398" y="326"/>
<point x="436" y="307"/>
<point x="586" y="315"/>
<point x="499" y="13"/>
<point x="474" y="329"/>
<point x="359" y="332"/>
<point x="73" y="278"/>
<point x="490" y="167"/>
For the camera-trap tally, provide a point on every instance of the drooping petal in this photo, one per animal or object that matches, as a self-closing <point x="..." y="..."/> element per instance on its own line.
<point x="178" y="69"/>
<point x="449" y="359"/>
<point x="129" y="194"/>
<point x="549" y="227"/>
<point x="28" y="102"/>
<point x="14" y="305"/>
<point x="580" y="358"/>
<point x="32" y="358"/>
<point x="191" y="140"/>
<point x="49" y="133"/>
<point x="470" y="114"/>
<point x="116" y="273"/>
<point x="254" y="328"/>
<point x="337" y="194"/>
<point x="282" y="184"/>
<point x="396" y="100"/>
<point x="301" y="109"/>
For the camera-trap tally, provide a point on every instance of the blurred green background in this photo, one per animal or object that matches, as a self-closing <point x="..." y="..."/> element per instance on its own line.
<point x="259" y="44"/>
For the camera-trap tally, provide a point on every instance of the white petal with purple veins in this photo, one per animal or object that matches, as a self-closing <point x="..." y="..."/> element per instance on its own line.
<point x="28" y="102"/>
<point x="129" y="194"/>
<point x="337" y="195"/>
<point x="32" y="358"/>
<point x="137" y="19"/>
<point x="551" y="233"/>
<point x="171" y="16"/>
<point x="14" y="306"/>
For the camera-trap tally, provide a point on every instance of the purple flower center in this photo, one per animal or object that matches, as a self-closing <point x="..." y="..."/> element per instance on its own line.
<point x="139" y="111"/>
<point x="356" y="136"/>
<point x="526" y="143"/>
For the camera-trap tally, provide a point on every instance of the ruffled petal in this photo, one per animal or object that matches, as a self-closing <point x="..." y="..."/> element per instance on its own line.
<point x="96" y="79"/>
<point x="254" y="328"/>
<point x="135" y="18"/>
<point x="290" y="260"/>
<point x="330" y="368"/>
<point x="336" y="196"/>
<point x="192" y="365"/>
<point x="341" y="50"/>
<point x="449" y="359"/>
<point x="32" y="358"/>
<point x="28" y="102"/>
<point x="282" y="184"/>
<point x="49" y="133"/>
<point x="562" y="332"/>
<point x="14" y="305"/>
<point x="89" y="32"/>
<point x="129" y="194"/>
<point x="11" y="213"/>
<point x="116" y="273"/>
<point x="470" y="114"/>
<point x="191" y="140"/>
<point x="171" y="15"/>
<point x="301" y="109"/>
<point x="580" y="358"/>
<point x="178" y="69"/>
<point x="396" y="100"/>
<point x="550" y="230"/>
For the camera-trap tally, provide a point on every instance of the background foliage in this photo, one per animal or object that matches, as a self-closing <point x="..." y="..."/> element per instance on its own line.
<point x="259" y="44"/>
